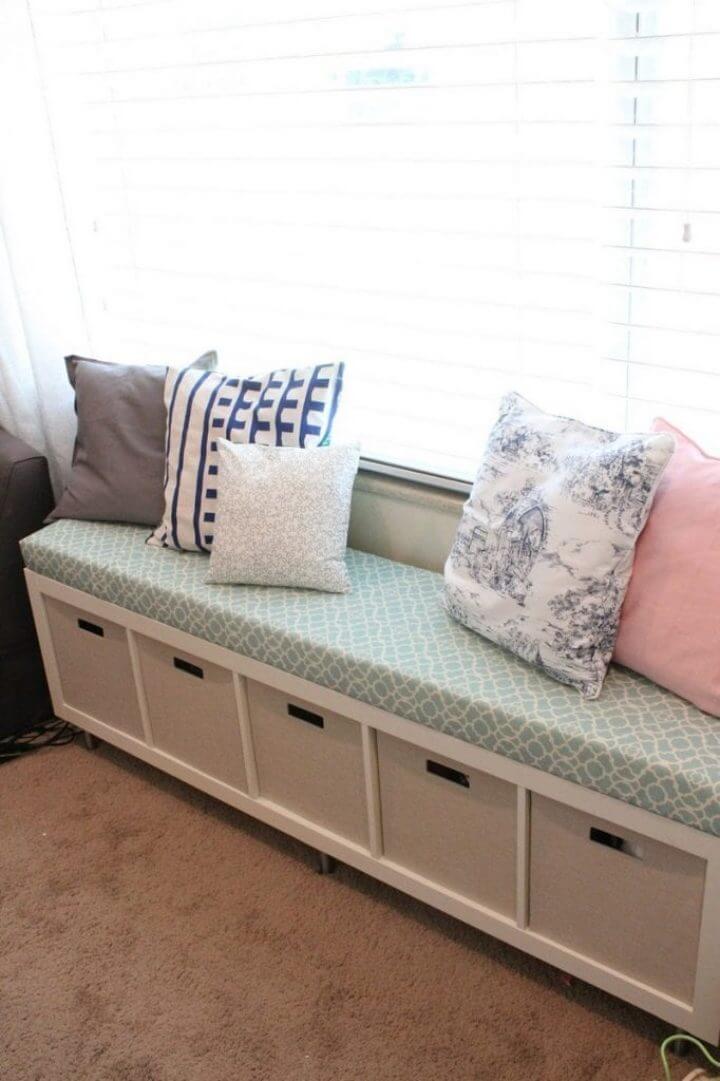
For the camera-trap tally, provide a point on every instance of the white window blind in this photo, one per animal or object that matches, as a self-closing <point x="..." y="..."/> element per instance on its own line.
<point x="457" y="199"/>
<point x="663" y="253"/>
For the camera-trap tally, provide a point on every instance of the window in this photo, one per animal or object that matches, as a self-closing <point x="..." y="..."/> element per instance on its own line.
<point x="663" y="228"/>
<point x="458" y="199"/>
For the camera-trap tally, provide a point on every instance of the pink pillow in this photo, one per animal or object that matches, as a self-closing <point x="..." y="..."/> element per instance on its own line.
<point x="670" y="622"/>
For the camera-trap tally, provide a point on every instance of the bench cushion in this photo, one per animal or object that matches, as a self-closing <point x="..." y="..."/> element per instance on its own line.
<point x="390" y="643"/>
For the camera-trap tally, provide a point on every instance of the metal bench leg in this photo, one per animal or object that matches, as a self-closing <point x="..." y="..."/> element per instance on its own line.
<point x="90" y="741"/>
<point x="326" y="864"/>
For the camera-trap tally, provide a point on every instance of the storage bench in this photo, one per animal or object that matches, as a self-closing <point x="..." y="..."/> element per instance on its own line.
<point x="377" y="730"/>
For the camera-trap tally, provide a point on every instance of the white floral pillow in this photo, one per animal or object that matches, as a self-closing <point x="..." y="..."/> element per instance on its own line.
<point x="544" y="551"/>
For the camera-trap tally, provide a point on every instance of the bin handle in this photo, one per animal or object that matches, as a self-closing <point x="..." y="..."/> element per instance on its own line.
<point x="305" y="715"/>
<point x="187" y="666"/>
<point x="439" y="769"/>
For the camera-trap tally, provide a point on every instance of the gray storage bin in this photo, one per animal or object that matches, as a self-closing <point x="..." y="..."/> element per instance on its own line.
<point x="93" y="660"/>
<point x="454" y="825"/>
<point x="615" y="896"/>
<point x="192" y="711"/>
<point x="309" y="760"/>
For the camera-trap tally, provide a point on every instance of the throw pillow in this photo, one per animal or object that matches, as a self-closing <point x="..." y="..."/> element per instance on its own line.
<point x="118" y="464"/>
<point x="283" y="516"/>
<point x="545" y="547"/>
<point x="293" y="408"/>
<point x="670" y="622"/>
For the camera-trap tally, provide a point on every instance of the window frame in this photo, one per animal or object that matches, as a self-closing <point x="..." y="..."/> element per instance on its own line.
<point x="420" y="477"/>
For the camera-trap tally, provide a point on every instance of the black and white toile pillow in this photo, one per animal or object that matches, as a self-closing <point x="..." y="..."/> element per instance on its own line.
<point x="544" y="551"/>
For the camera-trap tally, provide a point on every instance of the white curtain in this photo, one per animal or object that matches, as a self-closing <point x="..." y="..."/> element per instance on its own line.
<point x="19" y="398"/>
<point x="40" y="304"/>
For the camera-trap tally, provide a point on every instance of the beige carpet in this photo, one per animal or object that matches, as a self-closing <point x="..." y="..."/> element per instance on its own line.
<point x="148" y="933"/>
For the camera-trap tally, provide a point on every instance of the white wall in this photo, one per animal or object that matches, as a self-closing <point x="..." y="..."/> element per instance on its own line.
<point x="407" y="522"/>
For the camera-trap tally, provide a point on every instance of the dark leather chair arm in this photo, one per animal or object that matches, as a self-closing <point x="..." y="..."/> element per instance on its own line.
<point x="26" y="499"/>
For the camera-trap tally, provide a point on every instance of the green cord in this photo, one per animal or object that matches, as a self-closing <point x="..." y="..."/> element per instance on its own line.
<point x="690" y="1039"/>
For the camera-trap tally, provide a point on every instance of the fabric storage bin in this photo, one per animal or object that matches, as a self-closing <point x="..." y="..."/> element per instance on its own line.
<point x="93" y="660"/>
<point x="309" y="760"/>
<point x="192" y="711"/>
<point x="454" y="825"/>
<point x="615" y="896"/>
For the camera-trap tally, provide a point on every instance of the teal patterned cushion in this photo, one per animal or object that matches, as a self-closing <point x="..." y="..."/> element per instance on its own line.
<point x="390" y="643"/>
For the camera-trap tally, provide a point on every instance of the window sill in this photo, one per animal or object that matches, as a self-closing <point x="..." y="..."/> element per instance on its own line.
<point x="417" y="478"/>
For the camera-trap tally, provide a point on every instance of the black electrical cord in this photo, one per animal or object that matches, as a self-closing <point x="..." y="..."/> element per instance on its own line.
<point x="51" y="733"/>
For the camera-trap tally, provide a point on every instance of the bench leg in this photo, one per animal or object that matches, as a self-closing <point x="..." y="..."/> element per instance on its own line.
<point x="326" y="864"/>
<point x="90" y="741"/>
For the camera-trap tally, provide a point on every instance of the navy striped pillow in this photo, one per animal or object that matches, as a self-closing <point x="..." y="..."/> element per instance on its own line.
<point x="292" y="408"/>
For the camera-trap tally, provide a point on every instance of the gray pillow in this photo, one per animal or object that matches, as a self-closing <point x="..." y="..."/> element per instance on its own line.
<point x="282" y="515"/>
<point x="118" y="465"/>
